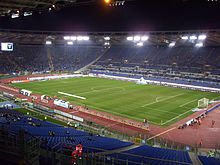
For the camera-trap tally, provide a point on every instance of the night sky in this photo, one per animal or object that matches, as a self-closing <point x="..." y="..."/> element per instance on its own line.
<point x="139" y="15"/>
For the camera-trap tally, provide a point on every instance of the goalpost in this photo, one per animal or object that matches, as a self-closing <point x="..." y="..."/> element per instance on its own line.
<point x="203" y="103"/>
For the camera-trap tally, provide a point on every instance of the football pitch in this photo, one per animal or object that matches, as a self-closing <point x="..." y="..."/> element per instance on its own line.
<point x="160" y="105"/>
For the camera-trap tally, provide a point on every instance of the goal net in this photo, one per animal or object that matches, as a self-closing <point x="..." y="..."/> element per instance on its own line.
<point x="203" y="103"/>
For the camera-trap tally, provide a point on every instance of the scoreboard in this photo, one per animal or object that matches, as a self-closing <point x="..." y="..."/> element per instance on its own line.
<point x="6" y="46"/>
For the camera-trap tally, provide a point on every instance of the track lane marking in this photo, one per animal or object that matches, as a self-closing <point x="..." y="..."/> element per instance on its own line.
<point x="162" y="133"/>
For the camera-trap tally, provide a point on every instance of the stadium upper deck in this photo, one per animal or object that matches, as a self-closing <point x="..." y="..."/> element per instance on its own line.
<point x="72" y="51"/>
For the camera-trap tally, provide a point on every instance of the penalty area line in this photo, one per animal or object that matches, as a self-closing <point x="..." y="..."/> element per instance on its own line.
<point x="176" y="117"/>
<point x="188" y="103"/>
<point x="71" y="95"/>
<point x="167" y="98"/>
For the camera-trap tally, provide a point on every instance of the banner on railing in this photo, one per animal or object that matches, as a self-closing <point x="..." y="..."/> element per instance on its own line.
<point x="68" y="115"/>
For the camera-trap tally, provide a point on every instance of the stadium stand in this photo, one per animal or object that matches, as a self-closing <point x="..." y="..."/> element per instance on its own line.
<point x="54" y="137"/>
<point x="33" y="58"/>
<point x="153" y="155"/>
<point x="183" y="56"/>
<point x="182" y="65"/>
<point x="53" y="134"/>
<point x="209" y="160"/>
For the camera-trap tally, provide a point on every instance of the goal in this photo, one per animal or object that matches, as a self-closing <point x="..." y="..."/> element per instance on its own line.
<point x="203" y="103"/>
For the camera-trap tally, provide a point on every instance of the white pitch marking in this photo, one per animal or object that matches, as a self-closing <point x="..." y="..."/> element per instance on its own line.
<point x="159" y="110"/>
<point x="105" y="89"/>
<point x="176" y="117"/>
<point x="67" y="94"/>
<point x="187" y="103"/>
<point x="167" y="98"/>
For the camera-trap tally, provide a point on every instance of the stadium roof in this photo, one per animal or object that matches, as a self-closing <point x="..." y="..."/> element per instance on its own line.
<point x="92" y="15"/>
<point x="116" y="38"/>
<point x="8" y="7"/>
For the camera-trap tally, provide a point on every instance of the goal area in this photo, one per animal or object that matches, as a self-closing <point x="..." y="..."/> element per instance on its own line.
<point x="203" y="103"/>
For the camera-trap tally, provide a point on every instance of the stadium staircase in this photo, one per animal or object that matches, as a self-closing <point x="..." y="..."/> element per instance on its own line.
<point x="122" y="149"/>
<point x="93" y="62"/>
<point x="13" y="63"/>
<point x="194" y="158"/>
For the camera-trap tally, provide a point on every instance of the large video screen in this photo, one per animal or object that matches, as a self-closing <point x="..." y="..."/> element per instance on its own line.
<point x="6" y="46"/>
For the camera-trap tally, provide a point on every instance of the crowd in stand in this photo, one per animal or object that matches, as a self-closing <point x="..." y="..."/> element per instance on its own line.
<point x="184" y="65"/>
<point x="183" y="58"/>
<point x="160" y="56"/>
<point x="34" y="58"/>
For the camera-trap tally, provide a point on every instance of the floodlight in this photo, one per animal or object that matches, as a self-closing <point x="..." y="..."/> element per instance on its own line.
<point x="79" y="38"/>
<point x="69" y="43"/>
<point x="172" y="44"/>
<point x="140" y="44"/>
<point x="85" y="38"/>
<point x="48" y="42"/>
<point x="200" y="44"/>
<point x="107" y="38"/>
<point x="130" y="38"/>
<point x="185" y="37"/>
<point x="144" y="38"/>
<point x="73" y="38"/>
<point x="202" y="37"/>
<point x="107" y="1"/>
<point x="66" y="37"/>
<point x="193" y="37"/>
<point x="137" y="38"/>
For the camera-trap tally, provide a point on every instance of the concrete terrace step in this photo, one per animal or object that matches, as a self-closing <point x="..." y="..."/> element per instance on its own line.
<point x="194" y="158"/>
<point x="119" y="150"/>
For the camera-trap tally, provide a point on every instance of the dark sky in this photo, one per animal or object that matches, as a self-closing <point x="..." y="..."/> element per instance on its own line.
<point x="136" y="15"/>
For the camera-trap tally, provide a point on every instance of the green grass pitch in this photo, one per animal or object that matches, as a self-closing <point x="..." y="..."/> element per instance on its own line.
<point x="160" y="105"/>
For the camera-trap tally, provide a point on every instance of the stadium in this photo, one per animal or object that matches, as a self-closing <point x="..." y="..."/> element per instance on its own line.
<point x="111" y="97"/>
